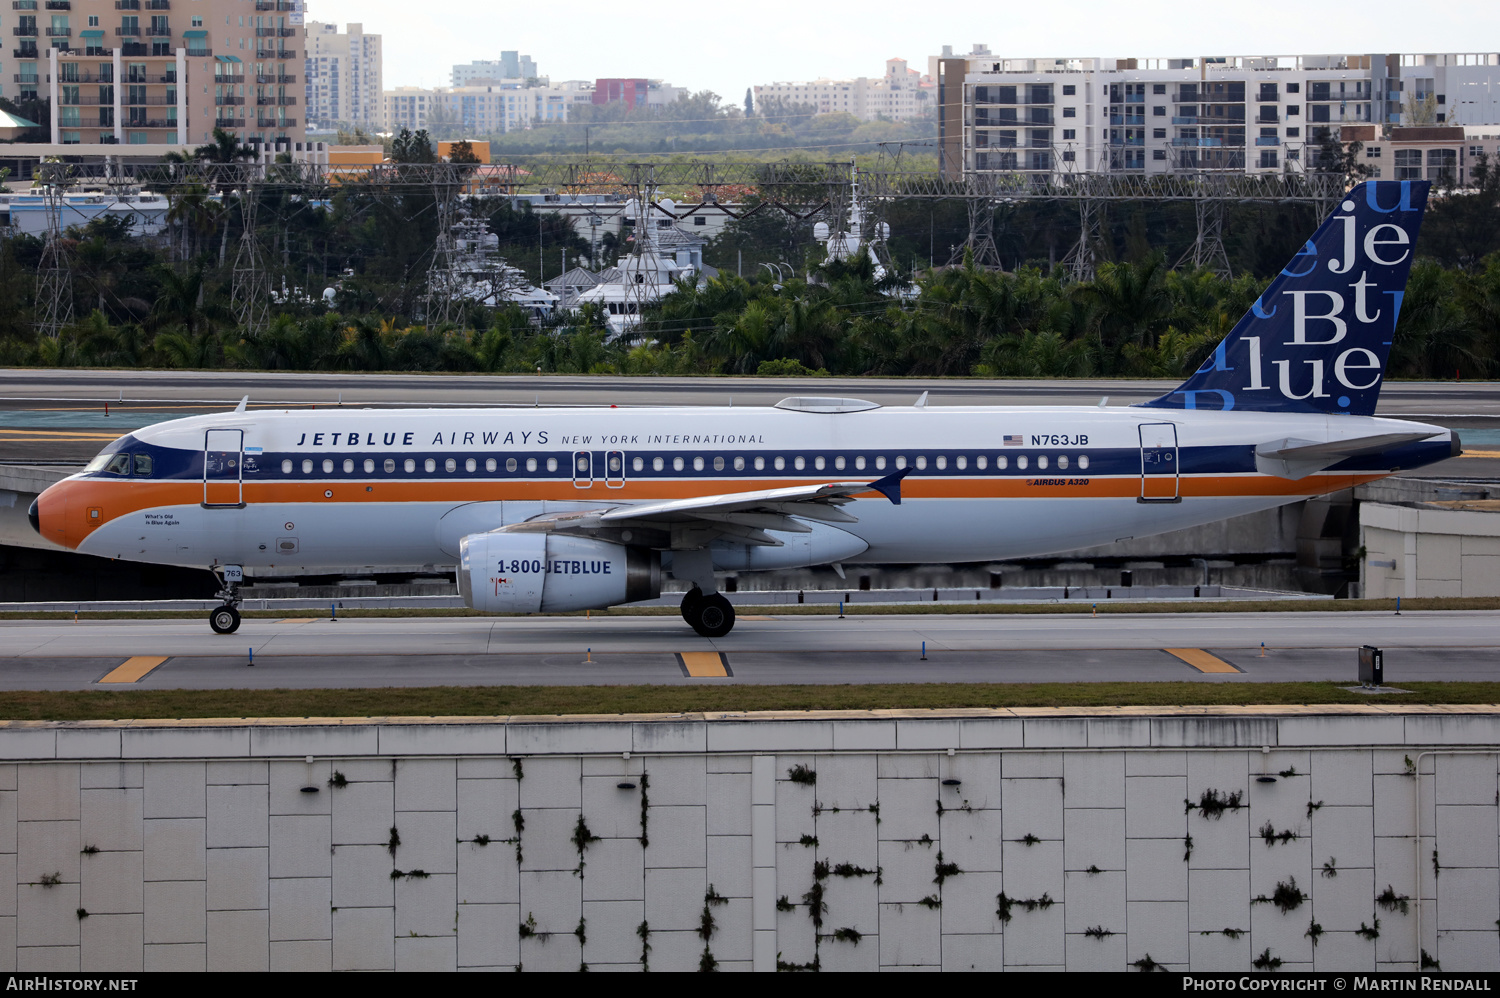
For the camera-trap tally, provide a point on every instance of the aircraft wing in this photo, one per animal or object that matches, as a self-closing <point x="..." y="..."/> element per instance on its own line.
<point x="744" y="515"/>
<point x="1293" y="459"/>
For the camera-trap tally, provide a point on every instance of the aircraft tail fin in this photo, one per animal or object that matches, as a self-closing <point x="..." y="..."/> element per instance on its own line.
<point x="1318" y="338"/>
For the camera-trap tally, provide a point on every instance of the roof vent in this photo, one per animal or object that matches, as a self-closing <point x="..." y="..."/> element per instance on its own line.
<point x="829" y="405"/>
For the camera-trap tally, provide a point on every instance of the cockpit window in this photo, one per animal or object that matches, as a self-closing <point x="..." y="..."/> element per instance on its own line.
<point x="143" y="465"/>
<point x="119" y="464"/>
<point x="98" y="463"/>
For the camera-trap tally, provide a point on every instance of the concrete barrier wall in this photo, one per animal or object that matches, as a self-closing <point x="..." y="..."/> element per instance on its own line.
<point x="978" y="839"/>
<point x="1428" y="550"/>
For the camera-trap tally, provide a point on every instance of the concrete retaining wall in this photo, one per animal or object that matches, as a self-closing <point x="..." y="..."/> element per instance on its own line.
<point x="1429" y="550"/>
<point x="978" y="839"/>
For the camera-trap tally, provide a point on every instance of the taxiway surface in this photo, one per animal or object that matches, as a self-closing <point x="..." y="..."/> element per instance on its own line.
<point x="375" y="652"/>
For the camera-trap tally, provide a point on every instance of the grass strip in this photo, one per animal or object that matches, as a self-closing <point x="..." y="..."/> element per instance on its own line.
<point x="489" y="701"/>
<point x="850" y="609"/>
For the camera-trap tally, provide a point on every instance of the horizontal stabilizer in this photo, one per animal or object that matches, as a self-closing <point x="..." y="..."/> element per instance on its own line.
<point x="1294" y="459"/>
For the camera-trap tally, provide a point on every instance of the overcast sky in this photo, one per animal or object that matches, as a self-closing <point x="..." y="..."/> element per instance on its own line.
<point x="728" y="47"/>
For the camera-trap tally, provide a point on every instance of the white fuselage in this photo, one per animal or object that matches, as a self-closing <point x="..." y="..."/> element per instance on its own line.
<point x="288" y="492"/>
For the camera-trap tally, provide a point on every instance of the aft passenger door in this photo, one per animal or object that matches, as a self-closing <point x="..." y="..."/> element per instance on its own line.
<point x="1159" y="460"/>
<point x="223" y="461"/>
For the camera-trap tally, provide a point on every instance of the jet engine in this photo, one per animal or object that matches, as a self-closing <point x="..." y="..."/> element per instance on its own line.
<point x="524" y="572"/>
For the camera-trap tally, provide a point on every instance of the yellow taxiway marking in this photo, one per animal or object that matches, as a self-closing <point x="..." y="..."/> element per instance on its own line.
<point x="21" y="436"/>
<point x="756" y="617"/>
<point x="133" y="670"/>
<point x="299" y="620"/>
<point x="1200" y="660"/>
<point x="1480" y="453"/>
<point x="703" y="664"/>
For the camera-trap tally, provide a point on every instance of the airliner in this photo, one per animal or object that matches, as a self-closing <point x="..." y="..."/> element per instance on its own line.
<point x="559" y="509"/>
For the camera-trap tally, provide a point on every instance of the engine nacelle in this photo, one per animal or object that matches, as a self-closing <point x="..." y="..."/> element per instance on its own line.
<point x="527" y="572"/>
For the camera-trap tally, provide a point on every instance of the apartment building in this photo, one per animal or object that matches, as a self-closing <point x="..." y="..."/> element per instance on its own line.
<point x="900" y="95"/>
<point x="1445" y="154"/>
<point x="1249" y="114"/>
<point x="485" y="109"/>
<point x="506" y="105"/>
<point x="158" y="72"/>
<point x="510" y="66"/>
<point x="343" y="73"/>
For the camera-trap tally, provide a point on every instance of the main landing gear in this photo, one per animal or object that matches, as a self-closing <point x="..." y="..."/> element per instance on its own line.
<point x="226" y="619"/>
<point x="711" y="616"/>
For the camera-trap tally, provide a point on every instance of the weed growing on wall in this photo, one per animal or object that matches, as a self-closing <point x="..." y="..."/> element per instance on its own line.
<point x="582" y="839"/>
<point x="1391" y="901"/>
<point x="644" y="931"/>
<point x="1271" y="836"/>
<point x="645" y="809"/>
<point x="1213" y="803"/>
<point x="1287" y="896"/>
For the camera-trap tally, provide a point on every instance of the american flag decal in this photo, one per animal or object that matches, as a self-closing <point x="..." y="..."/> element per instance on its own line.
<point x="1013" y="440"/>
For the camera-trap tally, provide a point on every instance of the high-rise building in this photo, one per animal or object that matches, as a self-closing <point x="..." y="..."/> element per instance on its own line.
<point x="510" y="66"/>
<point x="344" y="79"/>
<point x="154" y="72"/>
<point x="1256" y="115"/>
<point x="483" y="109"/>
<point x="504" y="106"/>
<point x="900" y="95"/>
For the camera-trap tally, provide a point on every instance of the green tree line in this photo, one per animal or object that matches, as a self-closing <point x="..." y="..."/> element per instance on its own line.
<point x="165" y="301"/>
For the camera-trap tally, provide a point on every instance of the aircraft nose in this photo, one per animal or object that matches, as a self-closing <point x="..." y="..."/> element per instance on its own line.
<point x="49" y="514"/>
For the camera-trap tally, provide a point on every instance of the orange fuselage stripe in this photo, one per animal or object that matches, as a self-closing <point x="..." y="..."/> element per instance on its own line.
<point x="117" y="498"/>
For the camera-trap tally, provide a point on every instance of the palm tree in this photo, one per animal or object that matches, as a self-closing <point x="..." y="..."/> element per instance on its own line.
<point x="195" y="215"/>
<point x="182" y="301"/>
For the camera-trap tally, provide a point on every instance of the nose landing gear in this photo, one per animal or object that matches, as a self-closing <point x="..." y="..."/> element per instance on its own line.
<point x="226" y="619"/>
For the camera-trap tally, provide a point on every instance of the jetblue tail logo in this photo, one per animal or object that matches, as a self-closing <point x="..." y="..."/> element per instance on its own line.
<point x="1317" y="339"/>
